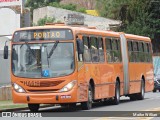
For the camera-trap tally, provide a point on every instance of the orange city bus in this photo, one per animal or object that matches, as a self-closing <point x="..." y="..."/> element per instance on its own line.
<point x="62" y="64"/>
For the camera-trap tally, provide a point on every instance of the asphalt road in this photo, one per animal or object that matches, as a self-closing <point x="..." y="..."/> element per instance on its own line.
<point x="99" y="110"/>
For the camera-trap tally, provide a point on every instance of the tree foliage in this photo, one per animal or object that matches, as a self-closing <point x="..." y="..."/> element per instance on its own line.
<point x="43" y="21"/>
<point x="139" y="17"/>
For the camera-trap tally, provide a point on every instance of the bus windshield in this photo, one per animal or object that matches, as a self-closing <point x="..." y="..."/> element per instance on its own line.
<point x="42" y="60"/>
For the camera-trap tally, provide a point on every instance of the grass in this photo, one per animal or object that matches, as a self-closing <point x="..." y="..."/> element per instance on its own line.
<point x="10" y="105"/>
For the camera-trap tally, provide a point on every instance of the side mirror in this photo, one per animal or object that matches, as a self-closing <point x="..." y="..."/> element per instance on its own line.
<point x="80" y="46"/>
<point x="5" y="53"/>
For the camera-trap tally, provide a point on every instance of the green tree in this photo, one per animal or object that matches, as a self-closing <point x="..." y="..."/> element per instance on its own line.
<point x="154" y="23"/>
<point x="139" y="17"/>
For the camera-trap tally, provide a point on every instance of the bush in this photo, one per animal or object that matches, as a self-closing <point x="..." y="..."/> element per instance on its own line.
<point x="54" y="4"/>
<point x="43" y="21"/>
<point x="69" y="7"/>
<point x="82" y="10"/>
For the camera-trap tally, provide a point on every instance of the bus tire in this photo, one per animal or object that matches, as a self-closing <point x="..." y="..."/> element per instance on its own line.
<point x="33" y="107"/>
<point x="155" y="90"/>
<point x="88" y="104"/>
<point x="140" y="96"/>
<point x="116" y="99"/>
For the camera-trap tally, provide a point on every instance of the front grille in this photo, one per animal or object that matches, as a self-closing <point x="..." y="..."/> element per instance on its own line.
<point x="39" y="91"/>
<point x="49" y="83"/>
<point x="35" y="83"/>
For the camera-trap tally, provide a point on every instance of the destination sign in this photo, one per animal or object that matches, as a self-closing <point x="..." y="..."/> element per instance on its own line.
<point x="75" y="19"/>
<point x="50" y="34"/>
<point x="43" y="34"/>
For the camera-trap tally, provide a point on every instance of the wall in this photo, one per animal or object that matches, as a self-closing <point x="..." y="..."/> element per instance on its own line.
<point x="59" y="14"/>
<point x="9" y="21"/>
<point x="4" y="64"/>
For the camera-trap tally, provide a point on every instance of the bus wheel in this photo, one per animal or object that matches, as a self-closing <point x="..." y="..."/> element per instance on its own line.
<point x="117" y="94"/>
<point x="140" y="96"/>
<point x="88" y="105"/>
<point x="33" y="107"/>
<point x="155" y="90"/>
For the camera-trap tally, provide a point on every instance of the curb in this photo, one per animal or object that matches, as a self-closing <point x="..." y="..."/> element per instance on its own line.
<point x="24" y="108"/>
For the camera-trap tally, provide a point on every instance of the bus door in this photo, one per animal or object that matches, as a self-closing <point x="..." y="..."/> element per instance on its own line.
<point x="125" y="63"/>
<point x="91" y="60"/>
<point x="81" y="73"/>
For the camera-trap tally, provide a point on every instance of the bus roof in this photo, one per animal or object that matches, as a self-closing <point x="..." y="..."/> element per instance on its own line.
<point x="76" y="29"/>
<point x="137" y="37"/>
<point x="88" y="30"/>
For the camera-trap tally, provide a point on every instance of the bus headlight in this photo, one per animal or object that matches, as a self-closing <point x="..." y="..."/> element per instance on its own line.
<point x="69" y="86"/>
<point x="18" y="88"/>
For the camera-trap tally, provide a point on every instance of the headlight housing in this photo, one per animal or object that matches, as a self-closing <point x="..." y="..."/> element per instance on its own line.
<point x="69" y="86"/>
<point x="18" y="88"/>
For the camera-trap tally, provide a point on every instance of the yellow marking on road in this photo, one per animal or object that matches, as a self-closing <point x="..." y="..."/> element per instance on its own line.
<point x="131" y="118"/>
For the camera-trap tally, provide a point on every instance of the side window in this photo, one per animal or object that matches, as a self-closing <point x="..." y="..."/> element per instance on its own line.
<point x="130" y="51"/>
<point x="108" y="49"/>
<point x="135" y="51"/>
<point x="100" y="49"/>
<point x="119" y="51"/>
<point x="130" y="48"/>
<point x="116" y="53"/>
<point x="114" y="44"/>
<point x="94" y="49"/>
<point x="87" y="53"/>
<point x="113" y="50"/>
<point x="79" y="56"/>
<point x="149" y="54"/>
<point x="141" y="51"/>
<point x="145" y="52"/>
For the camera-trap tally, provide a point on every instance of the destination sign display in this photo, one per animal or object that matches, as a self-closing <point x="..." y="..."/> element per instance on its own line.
<point x="50" y="34"/>
<point x="43" y="34"/>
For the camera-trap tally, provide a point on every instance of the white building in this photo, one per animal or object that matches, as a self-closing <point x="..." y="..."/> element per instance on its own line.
<point x="59" y="14"/>
<point x="10" y="20"/>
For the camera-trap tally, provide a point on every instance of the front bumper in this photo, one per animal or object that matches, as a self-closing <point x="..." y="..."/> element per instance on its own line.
<point x="45" y="97"/>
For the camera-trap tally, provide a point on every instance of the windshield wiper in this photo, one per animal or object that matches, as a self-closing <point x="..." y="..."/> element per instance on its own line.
<point x="30" y="49"/>
<point x="53" y="48"/>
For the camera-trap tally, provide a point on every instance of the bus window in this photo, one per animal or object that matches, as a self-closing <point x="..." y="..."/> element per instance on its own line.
<point x="150" y="52"/>
<point x="79" y="55"/>
<point x="114" y="44"/>
<point x="135" y="51"/>
<point x="94" y="49"/>
<point x="86" y="54"/>
<point x="116" y="53"/>
<point x="101" y="49"/>
<point x="130" y="49"/>
<point x="149" y="57"/>
<point x="119" y="51"/>
<point x="141" y="51"/>
<point x="145" y="52"/>
<point x="109" y="48"/>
